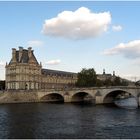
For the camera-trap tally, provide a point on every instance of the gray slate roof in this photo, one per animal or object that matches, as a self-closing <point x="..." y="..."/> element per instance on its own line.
<point x="24" y="57"/>
<point x="56" y="72"/>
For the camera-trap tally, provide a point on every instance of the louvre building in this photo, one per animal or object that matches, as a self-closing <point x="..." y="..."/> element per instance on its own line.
<point x="24" y="73"/>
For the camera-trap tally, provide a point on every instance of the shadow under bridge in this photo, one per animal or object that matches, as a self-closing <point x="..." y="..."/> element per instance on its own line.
<point x="82" y="97"/>
<point x="52" y="97"/>
<point x="111" y="96"/>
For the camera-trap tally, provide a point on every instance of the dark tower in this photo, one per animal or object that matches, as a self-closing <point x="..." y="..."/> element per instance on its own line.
<point x="103" y="71"/>
<point x="113" y="73"/>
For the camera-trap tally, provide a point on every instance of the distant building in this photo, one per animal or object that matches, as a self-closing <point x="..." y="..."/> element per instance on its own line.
<point x="106" y="76"/>
<point x="57" y="79"/>
<point x="24" y="72"/>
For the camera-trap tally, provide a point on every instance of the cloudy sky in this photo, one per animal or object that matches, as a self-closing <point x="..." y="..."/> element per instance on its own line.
<point x="72" y="35"/>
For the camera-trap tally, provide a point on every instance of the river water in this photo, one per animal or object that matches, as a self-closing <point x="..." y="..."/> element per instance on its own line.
<point x="43" y="120"/>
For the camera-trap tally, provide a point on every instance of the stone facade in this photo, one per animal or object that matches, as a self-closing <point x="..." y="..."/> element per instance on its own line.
<point x="57" y="79"/>
<point x="24" y="72"/>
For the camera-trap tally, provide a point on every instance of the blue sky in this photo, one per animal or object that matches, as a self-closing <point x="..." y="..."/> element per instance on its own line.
<point x="93" y="46"/>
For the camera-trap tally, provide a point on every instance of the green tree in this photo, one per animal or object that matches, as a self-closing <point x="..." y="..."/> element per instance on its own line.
<point x="99" y="83"/>
<point x="124" y="83"/>
<point x="87" y="78"/>
<point x="108" y="82"/>
<point x="117" y="81"/>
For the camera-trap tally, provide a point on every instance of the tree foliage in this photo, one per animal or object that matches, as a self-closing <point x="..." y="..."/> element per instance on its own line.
<point x="108" y="82"/>
<point x="86" y="78"/>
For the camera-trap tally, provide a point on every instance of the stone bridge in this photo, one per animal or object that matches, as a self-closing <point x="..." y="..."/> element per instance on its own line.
<point x="99" y="94"/>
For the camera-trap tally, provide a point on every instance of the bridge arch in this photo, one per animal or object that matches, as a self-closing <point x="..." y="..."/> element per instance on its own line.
<point x="81" y="97"/>
<point x="52" y="97"/>
<point x="111" y="96"/>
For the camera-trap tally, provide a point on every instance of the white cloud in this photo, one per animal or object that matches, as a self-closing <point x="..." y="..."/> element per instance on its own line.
<point x="116" y="28"/>
<point x="80" y="24"/>
<point x="2" y="64"/>
<point x="129" y="50"/>
<point x="35" y="43"/>
<point x="53" y="62"/>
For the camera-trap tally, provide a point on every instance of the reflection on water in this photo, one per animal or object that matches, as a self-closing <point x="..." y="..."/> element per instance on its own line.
<point x="43" y="120"/>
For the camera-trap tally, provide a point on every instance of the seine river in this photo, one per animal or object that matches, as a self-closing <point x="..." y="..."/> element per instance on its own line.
<point x="43" y="120"/>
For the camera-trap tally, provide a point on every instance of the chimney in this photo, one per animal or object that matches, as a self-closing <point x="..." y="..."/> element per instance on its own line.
<point x="30" y="55"/>
<point x="20" y="52"/>
<point x="13" y="55"/>
<point x="30" y="52"/>
<point x="40" y="64"/>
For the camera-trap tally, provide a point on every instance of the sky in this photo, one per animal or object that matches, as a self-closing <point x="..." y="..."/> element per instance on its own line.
<point x="71" y="35"/>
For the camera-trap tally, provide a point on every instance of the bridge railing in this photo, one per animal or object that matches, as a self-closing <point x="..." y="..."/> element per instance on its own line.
<point x="72" y="88"/>
<point x="90" y="88"/>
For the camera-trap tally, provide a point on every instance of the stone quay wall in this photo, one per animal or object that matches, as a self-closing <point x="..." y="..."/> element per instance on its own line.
<point x="19" y="96"/>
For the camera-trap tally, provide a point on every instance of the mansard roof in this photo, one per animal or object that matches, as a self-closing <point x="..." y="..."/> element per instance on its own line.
<point x="24" y="58"/>
<point x="56" y="72"/>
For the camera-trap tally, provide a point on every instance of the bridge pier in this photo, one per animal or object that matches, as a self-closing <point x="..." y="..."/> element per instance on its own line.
<point x="98" y="100"/>
<point x="67" y="99"/>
